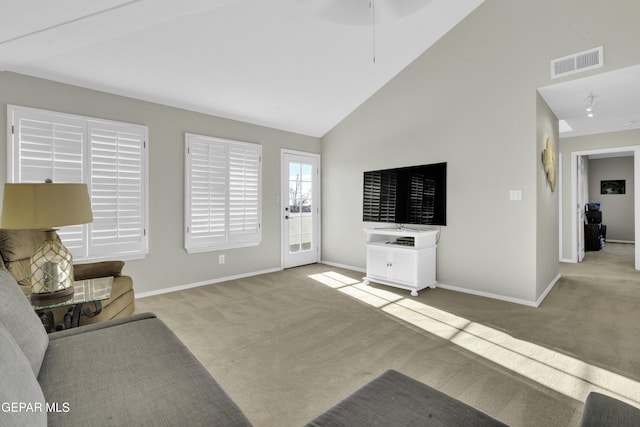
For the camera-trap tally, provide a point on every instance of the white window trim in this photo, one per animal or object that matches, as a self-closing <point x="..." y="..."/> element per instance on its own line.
<point x="229" y="240"/>
<point x="12" y="175"/>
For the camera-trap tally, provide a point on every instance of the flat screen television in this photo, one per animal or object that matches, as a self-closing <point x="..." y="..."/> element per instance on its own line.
<point x="406" y="195"/>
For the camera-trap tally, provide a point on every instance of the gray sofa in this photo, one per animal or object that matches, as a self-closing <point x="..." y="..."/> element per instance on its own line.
<point x="135" y="372"/>
<point x="394" y="399"/>
<point x="130" y="371"/>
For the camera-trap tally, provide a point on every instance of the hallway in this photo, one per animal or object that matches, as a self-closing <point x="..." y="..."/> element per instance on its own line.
<point x="615" y="261"/>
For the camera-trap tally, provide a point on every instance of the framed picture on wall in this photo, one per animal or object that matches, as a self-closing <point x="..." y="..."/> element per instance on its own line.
<point x="614" y="186"/>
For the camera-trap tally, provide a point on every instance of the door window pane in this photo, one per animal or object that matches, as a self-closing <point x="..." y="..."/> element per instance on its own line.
<point x="300" y="207"/>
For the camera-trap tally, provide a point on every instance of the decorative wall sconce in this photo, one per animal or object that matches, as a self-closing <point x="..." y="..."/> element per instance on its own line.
<point x="549" y="162"/>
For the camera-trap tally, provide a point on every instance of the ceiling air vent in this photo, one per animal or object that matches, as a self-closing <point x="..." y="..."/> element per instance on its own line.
<point x="578" y="62"/>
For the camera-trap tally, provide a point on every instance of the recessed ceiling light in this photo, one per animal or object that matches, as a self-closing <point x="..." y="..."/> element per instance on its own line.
<point x="590" y="104"/>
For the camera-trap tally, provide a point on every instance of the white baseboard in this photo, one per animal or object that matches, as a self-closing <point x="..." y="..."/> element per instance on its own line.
<point x="520" y="301"/>
<point x="487" y="295"/>
<point x="619" y="241"/>
<point x="203" y="283"/>
<point x="471" y="291"/>
<point x="569" y="260"/>
<point x="546" y="291"/>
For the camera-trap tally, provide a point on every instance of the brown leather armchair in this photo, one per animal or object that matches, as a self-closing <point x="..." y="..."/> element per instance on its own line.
<point x="16" y="248"/>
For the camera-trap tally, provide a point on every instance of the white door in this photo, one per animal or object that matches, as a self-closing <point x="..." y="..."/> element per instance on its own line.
<point x="583" y="198"/>
<point x="300" y="208"/>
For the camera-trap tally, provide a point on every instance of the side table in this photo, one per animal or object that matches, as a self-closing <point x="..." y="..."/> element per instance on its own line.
<point x="84" y="291"/>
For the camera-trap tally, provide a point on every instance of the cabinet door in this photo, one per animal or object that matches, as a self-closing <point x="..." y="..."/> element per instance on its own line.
<point x="377" y="262"/>
<point x="404" y="267"/>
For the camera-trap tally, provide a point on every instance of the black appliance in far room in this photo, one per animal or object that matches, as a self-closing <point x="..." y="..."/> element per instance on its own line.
<point x="595" y="233"/>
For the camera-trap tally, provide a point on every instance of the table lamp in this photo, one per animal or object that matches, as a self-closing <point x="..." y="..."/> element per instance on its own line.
<point x="44" y="206"/>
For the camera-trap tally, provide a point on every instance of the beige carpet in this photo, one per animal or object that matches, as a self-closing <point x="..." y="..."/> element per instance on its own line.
<point x="288" y="345"/>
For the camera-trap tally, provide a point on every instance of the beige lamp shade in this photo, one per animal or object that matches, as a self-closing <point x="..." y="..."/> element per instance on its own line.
<point x="43" y="206"/>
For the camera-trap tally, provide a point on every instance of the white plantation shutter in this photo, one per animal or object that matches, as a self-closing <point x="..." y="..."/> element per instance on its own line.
<point x="207" y="193"/>
<point x="222" y="206"/>
<point x="117" y="187"/>
<point x="110" y="157"/>
<point x="49" y="146"/>
<point x="244" y="194"/>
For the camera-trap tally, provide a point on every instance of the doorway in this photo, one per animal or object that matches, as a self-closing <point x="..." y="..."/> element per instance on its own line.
<point x="614" y="95"/>
<point x="300" y="208"/>
<point x="578" y="195"/>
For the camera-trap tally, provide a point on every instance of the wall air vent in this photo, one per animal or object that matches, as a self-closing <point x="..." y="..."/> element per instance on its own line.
<point x="578" y="62"/>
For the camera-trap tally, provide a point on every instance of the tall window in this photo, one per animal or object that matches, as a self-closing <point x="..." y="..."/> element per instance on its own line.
<point x="110" y="157"/>
<point x="223" y="193"/>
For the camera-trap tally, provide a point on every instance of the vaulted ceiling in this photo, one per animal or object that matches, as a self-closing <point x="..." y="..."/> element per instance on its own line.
<point x="295" y="65"/>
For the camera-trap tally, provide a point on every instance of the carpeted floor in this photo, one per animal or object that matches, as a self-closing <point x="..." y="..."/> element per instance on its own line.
<point x="288" y="345"/>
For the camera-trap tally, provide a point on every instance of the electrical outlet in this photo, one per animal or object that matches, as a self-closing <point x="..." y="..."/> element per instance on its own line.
<point x="220" y="259"/>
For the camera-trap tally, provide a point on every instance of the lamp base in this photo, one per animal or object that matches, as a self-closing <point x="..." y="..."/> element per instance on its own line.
<point x="52" y="269"/>
<point x="49" y="298"/>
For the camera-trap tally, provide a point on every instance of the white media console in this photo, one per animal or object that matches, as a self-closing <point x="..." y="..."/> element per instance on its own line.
<point x="401" y="257"/>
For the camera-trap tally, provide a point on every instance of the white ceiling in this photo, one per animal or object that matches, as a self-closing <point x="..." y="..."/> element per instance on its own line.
<point x="616" y="96"/>
<point x="295" y="65"/>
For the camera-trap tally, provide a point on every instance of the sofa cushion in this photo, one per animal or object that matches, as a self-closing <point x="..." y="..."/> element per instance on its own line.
<point x="603" y="410"/>
<point x="21" y="321"/>
<point x="394" y="399"/>
<point x="20" y="394"/>
<point x="132" y="371"/>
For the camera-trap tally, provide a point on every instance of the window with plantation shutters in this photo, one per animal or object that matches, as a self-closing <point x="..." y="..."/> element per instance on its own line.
<point x="223" y="199"/>
<point x="110" y="157"/>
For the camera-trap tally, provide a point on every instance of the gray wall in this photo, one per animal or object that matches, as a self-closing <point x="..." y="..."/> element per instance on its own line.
<point x="471" y="101"/>
<point x="585" y="143"/>
<point x="547" y="218"/>
<point x="168" y="264"/>
<point x="617" y="209"/>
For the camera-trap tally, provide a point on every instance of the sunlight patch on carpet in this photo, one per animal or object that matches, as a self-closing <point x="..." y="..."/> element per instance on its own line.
<point x="564" y="374"/>
<point x="333" y="279"/>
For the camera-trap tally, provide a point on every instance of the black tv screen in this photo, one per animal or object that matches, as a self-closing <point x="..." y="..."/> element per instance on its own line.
<point x="407" y="195"/>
